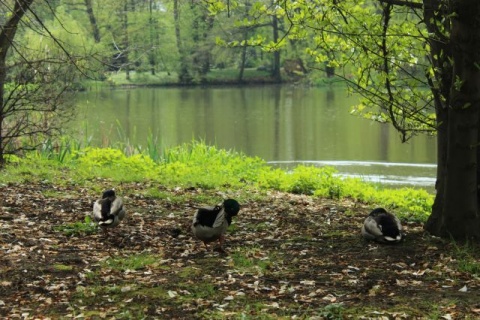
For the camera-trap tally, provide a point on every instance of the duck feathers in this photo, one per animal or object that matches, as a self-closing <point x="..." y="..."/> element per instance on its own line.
<point x="210" y="223"/>
<point x="382" y="226"/>
<point x="109" y="210"/>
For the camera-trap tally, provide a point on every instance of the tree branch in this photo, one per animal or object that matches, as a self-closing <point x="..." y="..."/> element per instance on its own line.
<point x="403" y="3"/>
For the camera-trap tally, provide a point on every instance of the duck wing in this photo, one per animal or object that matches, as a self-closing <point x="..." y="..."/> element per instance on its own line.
<point x="209" y="216"/>
<point x="391" y="227"/>
<point x="116" y="206"/>
<point x="97" y="210"/>
<point x="371" y="229"/>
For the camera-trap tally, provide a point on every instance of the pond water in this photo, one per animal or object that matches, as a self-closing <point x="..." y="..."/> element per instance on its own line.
<point x="284" y="125"/>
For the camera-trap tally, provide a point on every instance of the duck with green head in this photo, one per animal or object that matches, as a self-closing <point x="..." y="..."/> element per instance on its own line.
<point x="210" y="223"/>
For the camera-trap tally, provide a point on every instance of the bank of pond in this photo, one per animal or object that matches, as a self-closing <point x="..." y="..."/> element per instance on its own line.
<point x="202" y="166"/>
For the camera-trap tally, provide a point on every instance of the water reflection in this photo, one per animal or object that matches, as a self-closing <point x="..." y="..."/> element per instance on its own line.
<point x="276" y="123"/>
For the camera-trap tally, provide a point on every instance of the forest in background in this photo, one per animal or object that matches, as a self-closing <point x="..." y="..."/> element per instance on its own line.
<point x="164" y="42"/>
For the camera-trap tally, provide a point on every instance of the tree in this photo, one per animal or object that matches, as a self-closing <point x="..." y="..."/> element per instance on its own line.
<point x="34" y="78"/>
<point x="455" y="53"/>
<point x="7" y="35"/>
<point x="93" y="20"/>
<point x="183" y="73"/>
<point x="389" y="51"/>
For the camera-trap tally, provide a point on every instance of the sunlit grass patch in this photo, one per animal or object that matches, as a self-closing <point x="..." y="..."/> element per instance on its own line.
<point x="252" y="260"/>
<point x="85" y="227"/>
<point x="156" y="193"/>
<point x="62" y="267"/>
<point x="132" y="262"/>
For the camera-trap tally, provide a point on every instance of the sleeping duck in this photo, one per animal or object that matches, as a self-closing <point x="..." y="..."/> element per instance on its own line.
<point x="382" y="226"/>
<point x="108" y="211"/>
<point x="210" y="223"/>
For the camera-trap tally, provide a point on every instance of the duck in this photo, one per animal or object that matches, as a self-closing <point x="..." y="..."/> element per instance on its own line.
<point x="382" y="226"/>
<point x="210" y="223"/>
<point x="108" y="211"/>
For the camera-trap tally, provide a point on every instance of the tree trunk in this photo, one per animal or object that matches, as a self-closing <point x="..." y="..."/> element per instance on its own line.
<point x="126" y="40"/>
<point x="153" y="31"/>
<point x="7" y="34"/>
<point x="276" y="54"/>
<point x="455" y="212"/>
<point x="93" y="21"/>
<point x="183" y="74"/>
<point x="243" y="61"/>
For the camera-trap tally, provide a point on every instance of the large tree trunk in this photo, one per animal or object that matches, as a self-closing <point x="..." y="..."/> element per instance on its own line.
<point x="455" y="212"/>
<point x="7" y="34"/>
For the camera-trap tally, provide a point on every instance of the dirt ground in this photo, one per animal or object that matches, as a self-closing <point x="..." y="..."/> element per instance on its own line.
<point x="288" y="256"/>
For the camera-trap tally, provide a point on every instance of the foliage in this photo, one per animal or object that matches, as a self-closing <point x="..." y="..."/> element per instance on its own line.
<point x="114" y="163"/>
<point x="378" y="49"/>
<point x="332" y="311"/>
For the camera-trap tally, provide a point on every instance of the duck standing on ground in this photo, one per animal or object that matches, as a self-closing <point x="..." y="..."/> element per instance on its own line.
<point x="108" y="211"/>
<point x="210" y="223"/>
<point x="382" y="226"/>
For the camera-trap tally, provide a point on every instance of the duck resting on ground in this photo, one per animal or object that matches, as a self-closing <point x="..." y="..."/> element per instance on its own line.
<point x="108" y="211"/>
<point x="382" y="226"/>
<point x="210" y="223"/>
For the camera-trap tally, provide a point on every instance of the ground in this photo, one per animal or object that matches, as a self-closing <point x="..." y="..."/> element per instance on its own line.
<point x="288" y="256"/>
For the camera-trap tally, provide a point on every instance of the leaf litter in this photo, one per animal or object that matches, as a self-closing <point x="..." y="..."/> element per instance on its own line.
<point x="289" y="256"/>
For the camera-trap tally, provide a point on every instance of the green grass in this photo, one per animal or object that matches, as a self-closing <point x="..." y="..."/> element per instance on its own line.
<point x="163" y="78"/>
<point x="78" y="228"/>
<point x="197" y="165"/>
<point x="251" y="260"/>
<point x="142" y="78"/>
<point x="133" y="262"/>
<point x="467" y="258"/>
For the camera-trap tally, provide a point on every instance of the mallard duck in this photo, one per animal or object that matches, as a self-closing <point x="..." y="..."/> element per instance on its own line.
<point x="382" y="226"/>
<point x="108" y="211"/>
<point x="210" y="223"/>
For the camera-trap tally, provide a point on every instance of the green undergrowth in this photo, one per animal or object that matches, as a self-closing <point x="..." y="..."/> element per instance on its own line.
<point x="203" y="166"/>
<point x="79" y="228"/>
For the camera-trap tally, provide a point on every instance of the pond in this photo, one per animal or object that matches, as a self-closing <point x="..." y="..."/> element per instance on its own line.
<point x="284" y="125"/>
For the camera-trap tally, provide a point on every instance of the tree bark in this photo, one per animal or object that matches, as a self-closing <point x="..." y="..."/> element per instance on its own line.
<point x="126" y="43"/>
<point x="93" y="21"/>
<point x="153" y="32"/>
<point x="455" y="211"/>
<point x="276" y="54"/>
<point x="243" y="57"/>
<point x="183" y="74"/>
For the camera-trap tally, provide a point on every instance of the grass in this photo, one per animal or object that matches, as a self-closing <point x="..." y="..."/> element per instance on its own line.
<point x="271" y="264"/>
<point x="197" y="165"/>
<point x="78" y="228"/>
<point x="132" y="262"/>
<point x="220" y="76"/>
<point x="465" y="256"/>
